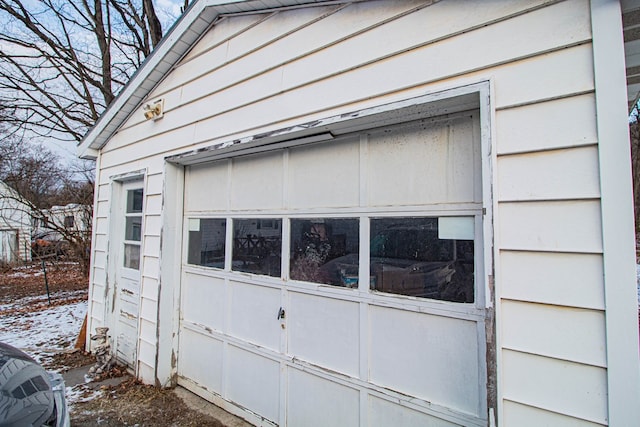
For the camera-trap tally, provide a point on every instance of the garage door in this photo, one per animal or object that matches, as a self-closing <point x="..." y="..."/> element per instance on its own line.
<point x="340" y="283"/>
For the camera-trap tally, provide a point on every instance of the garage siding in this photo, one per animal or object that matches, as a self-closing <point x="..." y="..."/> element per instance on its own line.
<point x="253" y="74"/>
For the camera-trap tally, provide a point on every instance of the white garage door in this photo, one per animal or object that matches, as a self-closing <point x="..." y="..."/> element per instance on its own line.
<point x="340" y="283"/>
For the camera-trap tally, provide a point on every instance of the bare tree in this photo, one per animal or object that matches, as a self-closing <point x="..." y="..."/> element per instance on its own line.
<point x="63" y="62"/>
<point x="57" y="199"/>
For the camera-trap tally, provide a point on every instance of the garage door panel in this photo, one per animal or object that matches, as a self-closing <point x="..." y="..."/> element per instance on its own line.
<point x="432" y="357"/>
<point x="203" y="300"/>
<point x="253" y="381"/>
<point x="257" y="182"/>
<point x="206" y="187"/>
<point x="424" y="163"/>
<point x="253" y="314"/>
<point x="315" y="172"/>
<point x="383" y="413"/>
<point x="200" y="359"/>
<point x="315" y="401"/>
<point x="325" y="331"/>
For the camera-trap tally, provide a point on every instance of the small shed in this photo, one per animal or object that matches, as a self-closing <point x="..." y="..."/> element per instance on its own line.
<point x="15" y="226"/>
<point x="374" y="213"/>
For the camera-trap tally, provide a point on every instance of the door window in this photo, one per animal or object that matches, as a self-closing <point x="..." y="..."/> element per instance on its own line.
<point x="133" y="228"/>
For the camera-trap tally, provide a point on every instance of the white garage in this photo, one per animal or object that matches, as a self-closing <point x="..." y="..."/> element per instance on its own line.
<point x="376" y="212"/>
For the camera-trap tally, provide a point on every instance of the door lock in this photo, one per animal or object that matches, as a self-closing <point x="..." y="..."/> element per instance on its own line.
<point x="281" y="313"/>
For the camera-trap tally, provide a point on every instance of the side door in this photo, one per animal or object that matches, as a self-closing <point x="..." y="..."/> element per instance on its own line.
<point x="8" y="245"/>
<point x="129" y="246"/>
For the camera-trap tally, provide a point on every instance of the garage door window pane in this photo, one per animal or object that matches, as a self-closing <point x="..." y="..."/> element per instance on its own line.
<point x="207" y="238"/>
<point x="408" y="257"/>
<point x="325" y="250"/>
<point x="257" y="245"/>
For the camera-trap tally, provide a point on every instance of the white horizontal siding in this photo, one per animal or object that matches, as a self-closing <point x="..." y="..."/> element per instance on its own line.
<point x="223" y="114"/>
<point x="149" y="312"/>
<point x="555" y="385"/>
<point x="549" y="175"/>
<point x="155" y="183"/>
<point x="566" y="279"/>
<point x="150" y="266"/>
<point x="221" y="33"/>
<point x="516" y="414"/>
<point x="151" y="245"/>
<point x="558" y="226"/>
<point x="565" y="122"/>
<point x="149" y="288"/>
<point x="562" y="332"/>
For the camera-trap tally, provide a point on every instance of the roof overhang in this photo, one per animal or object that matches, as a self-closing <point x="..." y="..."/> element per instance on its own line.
<point x="631" y="28"/>
<point x="180" y="38"/>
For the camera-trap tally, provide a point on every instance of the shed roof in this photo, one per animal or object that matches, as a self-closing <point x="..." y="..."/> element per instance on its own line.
<point x="202" y="14"/>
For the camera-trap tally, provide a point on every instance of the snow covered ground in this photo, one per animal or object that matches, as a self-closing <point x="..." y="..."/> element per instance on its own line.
<point x="38" y="329"/>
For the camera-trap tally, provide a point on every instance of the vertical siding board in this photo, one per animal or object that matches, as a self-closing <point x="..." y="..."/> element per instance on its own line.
<point x="617" y="214"/>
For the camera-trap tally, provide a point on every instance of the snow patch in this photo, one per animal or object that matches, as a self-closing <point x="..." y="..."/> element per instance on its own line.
<point x="43" y="332"/>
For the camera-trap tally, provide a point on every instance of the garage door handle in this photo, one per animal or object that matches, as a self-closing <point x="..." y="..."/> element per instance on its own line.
<point x="281" y="313"/>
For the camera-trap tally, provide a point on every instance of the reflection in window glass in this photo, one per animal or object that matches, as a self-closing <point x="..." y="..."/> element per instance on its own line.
<point x="134" y="200"/>
<point x="408" y="258"/>
<point x="256" y="248"/>
<point x="133" y="228"/>
<point x="132" y="256"/>
<point x="325" y="250"/>
<point x="207" y="242"/>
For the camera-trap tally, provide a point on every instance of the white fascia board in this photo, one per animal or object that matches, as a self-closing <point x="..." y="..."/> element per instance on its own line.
<point x="186" y="31"/>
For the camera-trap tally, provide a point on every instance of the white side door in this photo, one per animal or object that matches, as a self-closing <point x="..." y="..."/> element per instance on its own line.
<point x="129" y="248"/>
